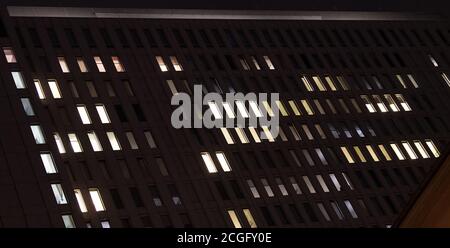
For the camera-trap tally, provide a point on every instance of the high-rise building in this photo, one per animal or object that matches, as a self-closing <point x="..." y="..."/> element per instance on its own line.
<point x="87" y="139"/>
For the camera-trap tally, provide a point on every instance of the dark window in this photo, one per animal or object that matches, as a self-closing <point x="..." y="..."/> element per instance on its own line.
<point x="106" y="38"/>
<point x="115" y="196"/>
<point x="71" y="37"/>
<point x="121" y="113"/>
<point x="139" y="113"/>
<point x="136" y="197"/>
<point x="53" y="37"/>
<point x="89" y="38"/>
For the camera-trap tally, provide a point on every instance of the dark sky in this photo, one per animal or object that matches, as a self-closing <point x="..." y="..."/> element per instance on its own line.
<point x="439" y="6"/>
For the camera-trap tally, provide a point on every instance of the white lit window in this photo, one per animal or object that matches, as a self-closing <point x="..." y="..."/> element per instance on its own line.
<point x="68" y="221"/>
<point x="234" y="219"/>
<point x="403" y="102"/>
<point x="397" y="151"/>
<point x="307" y="84"/>
<point x="95" y="143"/>
<point x="97" y="200"/>
<point x="9" y="55"/>
<point x="63" y="65"/>
<point x="215" y="110"/>
<point x="73" y="139"/>
<point x="150" y="139"/>
<point x="380" y="104"/>
<point x="248" y="215"/>
<point x="368" y="104"/>
<point x="115" y="145"/>
<point x="37" y="134"/>
<point x="323" y="211"/>
<point x="105" y="224"/>
<point x="18" y="79"/>
<point x="432" y="148"/>
<point x="59" y="143"/>
<point x="352" y="211"/>
<point x="267" y="187"/>
<point x="39" y="89"/>
<point x="433" y="61"/>
<point x="84" y="115"/>
<point x="336" y="183"/>
<point x="242" y="109"/>
<point x="82" y="65"/>
<point x="161" y="63"/>
<point x="391" y="103"/>
<point x="48" y="162"/>
<point x="347" y="155"/>
<point x="400" y="79"/>
<point x="308" y="183"/>
<point x="253" y="189"/>
<point x="319" y="83"/>
<point x="413" y="80"/>
<point x="132" y="140"/>
<point x="255" y="109"/>
<point x="241" y="134"/>
<point x="295" y="186"/>
<point x="54" y="88"/>
<point x="99" y="63"/>
<point x="254" y="134"/>
<point x="176" y="65"/>
<point x="322" y="183"/>
<point x="223" y="161"/>
<point x="269" y="62"/>
<point x="347" y="180"/>
<point x="80" y="200"/>
<point x="58" y="193"/>
<point x="421" y="149"/>
<point x="227" y="135"/>
<point x="446" y="79"/>
<point x="337" y="210"/>
<point x="255" y="63"/>
<point x="117" y="64"/>
<point x="244" y="63"/>
<point x="228" y="110"/>
<point x="409" y="150"/>
<point x="26" y="104"/>
<point x="281" y="186"/>
<point x="208" y="162"/>
<point x="101" y="110"/>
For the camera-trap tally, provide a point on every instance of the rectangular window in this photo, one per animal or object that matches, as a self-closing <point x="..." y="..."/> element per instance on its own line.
<point x="95" y="143"/>
<point x="269" y="62"/>
<point x="117" y="64"/>
<point x="421" y="149"/>
<point x="172" y="87"/>
<point x="281" y="108"/>
<point x="432" y="148"/>
<point x="99" y="63"/>
<point x="68" y="221"/>
<point x="82" y="65"/>
<point x="267" y="134"/>
<point x="253" y="189"/>
<point x="295" y="185"/>
<point x="18" y="79"/>
<point x="210" y="166"/>
<point x="368" y="104"/>
<point x="176" y="65"/>
<point x="347" y="155"/>
<point x="360" y="154"/>
<point x="330" y="83"/>
<point x="244" y="63"/>
<point x="307" y="107"/>
<point x="267" y="187"/>
<point x="105" y="224"/>
<point x="228" y="110"/>
<point x="380" y="104"/>
<point x="241" y="134"/>
<point x="403" y="102"/>
<point x="294" y="107"/>
<point x="227" y="135"/>
<point x="132" y="141"/>
<point x="54" y="88"/>
<point x="307" y="84"/>
<point x="150" y="139"/>
<point x="255" y="108"/>
<point x="113" y="141"/>
<point x="409" y="150"/>
<point x="433" y="61"/>
<point x="254" y="134"/>
<point x="37" y="134"/>
<point x="27" y="107"/>
<point x="336" y="183"/>
<point x="446" y="78"/>
<point x="234" y="219"/>
<point x="413" y="80"/>
<point x="91" y="89"/>
<point x="385" y="153"/>
<point x="73" y="139"/>
<point x="242" y="109"/>
<point x="391" y="103"/>
<point x="308" y="183"/>
<point x="80" y="200"/>
<point x="101" y="110"/>
<point x="223" y="161"/>
<point x="59" y="143"/>
<point x="58" y="193"/>
<point x="161" y="64"/>
<point x="48" y="162"/>
<point x="352" y="211"/>
<point x="97" y="200"/>
<point x="255" y="63"/>
<point x="9" y="55"/>
<point x="397" y="151"/>
<point x="322" y="183"/>
<point x="215" y="110"/>
<point x="84" y="115"/>
<point x="372" y="153"/>
<point x="319" y="83"/>
<point x="63" y="65"/>
<point x="248" y="215"/>
<point x="281" y="186"/>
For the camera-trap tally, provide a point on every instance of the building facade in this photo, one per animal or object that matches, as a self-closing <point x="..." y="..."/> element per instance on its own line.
<point x="87" y="140"/>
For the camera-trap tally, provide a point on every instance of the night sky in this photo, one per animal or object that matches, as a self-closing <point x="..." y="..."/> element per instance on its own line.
<point x="438" y="6"/>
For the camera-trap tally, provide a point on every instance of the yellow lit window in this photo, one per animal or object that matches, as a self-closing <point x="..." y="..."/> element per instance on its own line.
<point x="385" y="153"/>
<point x="307" y="107"/>
<point x="99" y="63"/>
<point x="234" y="219"/>
<point x="248" y="215"/>
<point x="319" y="83"/>
<point x="360" y="154"/>
<point x="372" y="153"/>
<point x="281" y="108"/>
<point x="268" y="108"/>
<point x="227" y="136"/>
<point x="294" y="107"/>
<point x="82" y="65"/>
<point x="268" y="134"/>
<point x="330" y="83"/>
<point x="241" y="134"/>
<point x="254" y="134"/>
<point x="307" y="84"/>
<point x="117" y="64"/>
<point x="347" y="155"/>
<point x="401" y="81"/>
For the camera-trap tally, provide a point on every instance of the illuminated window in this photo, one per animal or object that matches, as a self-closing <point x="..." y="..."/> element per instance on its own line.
<point x="347" y="155"/>
<point x="267" y="187"/>
<point x="59" y="143"/>
<point x="360" y="154"/>
<point x="241" y="134"/>
<point x="391" y="103"/>
<point x="80" y="200"/>
<point x="18" y="79"/>
<point x="380" y="104"/>
<point x="282" y="134"/>
<point x="397" y="151"/>
<point x="253" y="189"/>
<point x="81" y="65"/>
<point x="319" y="106"/>
<point x="432" y="148"/>
<point x="97" y="200"/>
<point x="409" y="150"/>
<point x="335" y="181"/>
<point x="322" y="183"/>
<point x="176" y="65"/>
<point x="63" y="65"/>
<point x="84" y="115"/>
<point x="330" y="83"/>
<point x="421" y="149"/>
<point x="350" y="208"/>
<point x="228" y="110"/>
<point x="131" y="140"/>
<point x="244" y="63"/>
<point x="384" y="152"/>
<point x="37" y="134"/>
<point x="269" y="62"/>
<point x="105" y="224"/>
<point x="255" y="63"/>
<point x="337" y="210"/>
<point x="323" y="211"/>
<point x="161" y="63"/>
<point x="403" y="102"/>
<point x="101" y="110"/>
<point x="281" y="108"/>
<point x="433" y="61"/>
<point x="76" y="146"/>
<point x="308" y="183"/>
<point x="91" y="89"/>
<point x="99" y="63"/>
<point x="413" y="80"/>
<point x="307" y="132"/>
<point x="307" y="107"/>
<point x="267" y="134"/>
<point x="113" y="141"/>
<point x="242" y="109"/>
<point x="223" y="161"/>
<point x="117" y="64"/>
<point x="27" y="107"/>
<point x="255" y="108"/>
<point x="208" y="162"/>
<point x="215" y="110"/>
<point x="95" y="143"/>
<point x="9" y="55"/>
<point x="234" y="219"/>
<point x="294" y="132"/>
<point x="401" y="81"/>
<point x="446" y="79"/>
<point x="347" y="180"/>
<point x="48" y="162"/>
<point x="227" y="135"/>
<point x="248" y="215"/>
<point x="307" y="84"/>
<point x="68" y="221"/>
<point x="319" y="83"/>
<point x="281" y="186"/>
<point x="58" y="192"/>
<point x="320" y="131"/>
<point x="172" y="87"/>
<point x="368" y="104"/>
<point x="372" y="153"/>
<point x="150" y="140"/>
<point x="294" y="107"/>
<point x="254" y="134"/>
<point x="54" y="88"/>
<point x="343" y="82"/>
<point x="295" y="186"/>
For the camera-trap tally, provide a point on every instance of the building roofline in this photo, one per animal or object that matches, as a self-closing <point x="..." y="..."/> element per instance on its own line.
<point x="75" y="12"/>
